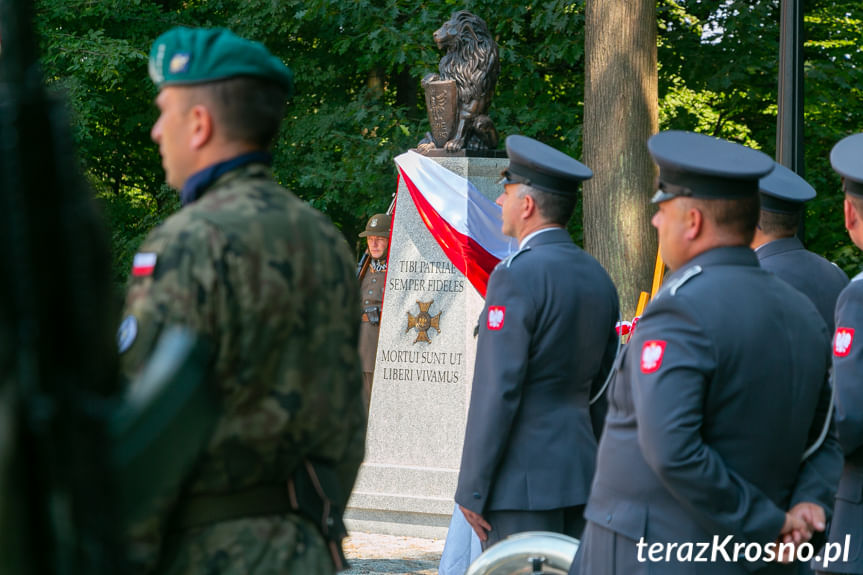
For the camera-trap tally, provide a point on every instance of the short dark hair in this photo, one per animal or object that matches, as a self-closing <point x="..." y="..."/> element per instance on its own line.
<point x="737" y="216"/>
<point x="248" y="109"/>
<point x="780" y="224"/>
<point x="555" y="208"/>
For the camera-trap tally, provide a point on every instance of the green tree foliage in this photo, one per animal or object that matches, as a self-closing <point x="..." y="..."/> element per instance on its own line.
<point x="718" y="75"/>
<point x="358" y="101"/>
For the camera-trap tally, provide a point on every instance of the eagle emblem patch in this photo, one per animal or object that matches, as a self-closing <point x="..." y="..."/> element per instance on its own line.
<point x="496" y="315"/>
<point x="842" y="341"/>
<point x="651" y="355"/>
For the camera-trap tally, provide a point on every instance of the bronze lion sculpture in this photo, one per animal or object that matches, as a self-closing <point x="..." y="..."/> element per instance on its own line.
<point x="470" y="60"/>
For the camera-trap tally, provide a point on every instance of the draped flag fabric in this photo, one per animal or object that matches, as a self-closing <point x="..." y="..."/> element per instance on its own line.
<point x="465" y="223"/>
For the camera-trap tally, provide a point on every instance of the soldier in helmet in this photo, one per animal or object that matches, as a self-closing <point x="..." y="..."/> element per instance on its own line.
<point x="372" y="278"/>
<point x="270" y="283"/>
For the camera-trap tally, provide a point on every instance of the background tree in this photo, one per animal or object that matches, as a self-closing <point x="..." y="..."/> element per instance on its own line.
<point x="358" y="101"/>
<point x="620" y="103"/>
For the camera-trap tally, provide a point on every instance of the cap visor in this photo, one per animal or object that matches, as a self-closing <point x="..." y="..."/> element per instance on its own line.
<point x="661" y="196"/>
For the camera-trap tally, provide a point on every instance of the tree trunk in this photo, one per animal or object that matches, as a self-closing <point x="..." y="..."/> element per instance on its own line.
<point x="620" y="114"/>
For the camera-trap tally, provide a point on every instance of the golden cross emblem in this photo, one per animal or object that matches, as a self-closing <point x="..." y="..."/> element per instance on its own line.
<point x="423" y="321"/>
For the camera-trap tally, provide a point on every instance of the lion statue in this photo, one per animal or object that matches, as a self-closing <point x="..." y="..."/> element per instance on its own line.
<point x="470" y="60"/>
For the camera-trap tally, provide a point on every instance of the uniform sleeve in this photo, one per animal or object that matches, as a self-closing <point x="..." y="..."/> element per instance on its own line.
<point x="819" y="475"/>
<point x="599" y="408"/>
<point x="178" y="291"/>
<point x="505" y="329"/>
<point x="847" y="367"/>
<point x="669" y="388"/>
<point x="181" y="289"/>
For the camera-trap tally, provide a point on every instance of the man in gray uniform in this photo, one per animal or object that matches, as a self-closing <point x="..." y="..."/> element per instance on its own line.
<point x="847" y="526"/>
<point x="546" y="342"/>
<point x="783" y="197"/>
<point x="718" y="394"/>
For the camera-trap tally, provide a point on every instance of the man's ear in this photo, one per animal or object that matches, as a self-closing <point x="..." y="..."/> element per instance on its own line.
<point x="202" y="128"/>
<point x="694" y="222"/>
<point x="528" y="206"/>
<point x="852" y="218"/>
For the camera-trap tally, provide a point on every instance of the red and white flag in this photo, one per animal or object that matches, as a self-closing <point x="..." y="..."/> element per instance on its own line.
<point x="143" y="264"/>
<point x="465" y="223"/>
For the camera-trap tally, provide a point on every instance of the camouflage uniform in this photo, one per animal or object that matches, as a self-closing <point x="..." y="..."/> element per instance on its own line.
<point x="270" y="282"/>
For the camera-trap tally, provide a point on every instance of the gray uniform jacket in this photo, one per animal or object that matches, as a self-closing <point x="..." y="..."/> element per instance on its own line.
<point x="847" y="370"/>
<point x="546" y="342"/>
<point x="814" y="276"/>
<point x="716" y="397"/>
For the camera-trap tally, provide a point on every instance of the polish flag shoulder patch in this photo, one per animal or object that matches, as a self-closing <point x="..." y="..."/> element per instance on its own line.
<point x="143" y="264"/>
<point x="496" y="315"/>
<point x="651" y="355"/>
<point x="842" y="341"/>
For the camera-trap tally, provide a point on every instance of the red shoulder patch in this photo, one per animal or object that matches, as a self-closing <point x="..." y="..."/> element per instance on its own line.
<point x="651" y="355"/>
<point x="496" y="315"/>
<point x="842" y="341"/>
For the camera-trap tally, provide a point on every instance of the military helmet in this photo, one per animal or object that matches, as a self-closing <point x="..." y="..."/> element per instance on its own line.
<point x="378" y="225"/>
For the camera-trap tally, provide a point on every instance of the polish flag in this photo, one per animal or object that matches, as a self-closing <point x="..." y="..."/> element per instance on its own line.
<point x="465" y="223"/>
<point x="143" y="264"/>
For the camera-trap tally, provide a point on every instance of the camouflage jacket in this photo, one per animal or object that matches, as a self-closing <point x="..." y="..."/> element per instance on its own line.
<point x="270" y="282"/>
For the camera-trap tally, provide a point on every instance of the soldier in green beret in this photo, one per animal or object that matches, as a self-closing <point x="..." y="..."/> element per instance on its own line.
<point x="270" y="282"/>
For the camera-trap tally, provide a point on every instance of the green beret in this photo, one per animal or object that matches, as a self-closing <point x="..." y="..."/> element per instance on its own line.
<point x="185" y="56"/>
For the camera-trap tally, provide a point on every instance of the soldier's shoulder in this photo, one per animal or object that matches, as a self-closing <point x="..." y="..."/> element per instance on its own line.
<point x="184" y="225"/>
<point x="682" y="281"/>
<point x="508" y="261"/>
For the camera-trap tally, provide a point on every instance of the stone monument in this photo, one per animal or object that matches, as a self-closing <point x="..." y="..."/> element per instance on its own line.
<point x="423" y="372"/>
<point x="434" y="295"/>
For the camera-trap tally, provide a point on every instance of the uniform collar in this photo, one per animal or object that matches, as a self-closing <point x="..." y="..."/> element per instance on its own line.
<point x="723" y="256"/>
<point x="549" y="235"/>
<point x="778" y="246"/>
<point x="199" y="182"/>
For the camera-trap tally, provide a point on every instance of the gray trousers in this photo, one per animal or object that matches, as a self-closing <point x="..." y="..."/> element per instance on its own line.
<point x="566" y="520"/>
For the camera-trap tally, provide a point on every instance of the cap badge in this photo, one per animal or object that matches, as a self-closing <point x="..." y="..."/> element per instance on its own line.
<point x="842" y="341"/>
<point x="373" y="223"/>
<point x="496" y="315"/>
<point x="651" y="355"/>
<point x="179" y="63"/>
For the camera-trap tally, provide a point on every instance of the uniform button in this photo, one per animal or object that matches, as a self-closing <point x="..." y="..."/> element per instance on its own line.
<point x="367" y="302"/>
<point x="370" y="292"/>
<point x="374" y="281"/>
<point x="476" y="495"/>
<point x="608" y="518"/>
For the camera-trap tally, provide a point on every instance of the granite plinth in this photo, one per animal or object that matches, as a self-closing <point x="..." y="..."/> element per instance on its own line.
<point x="423" y="374"/>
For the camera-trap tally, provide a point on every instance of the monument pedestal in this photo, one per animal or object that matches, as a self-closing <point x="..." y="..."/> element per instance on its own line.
<point x="423" y="374"/>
